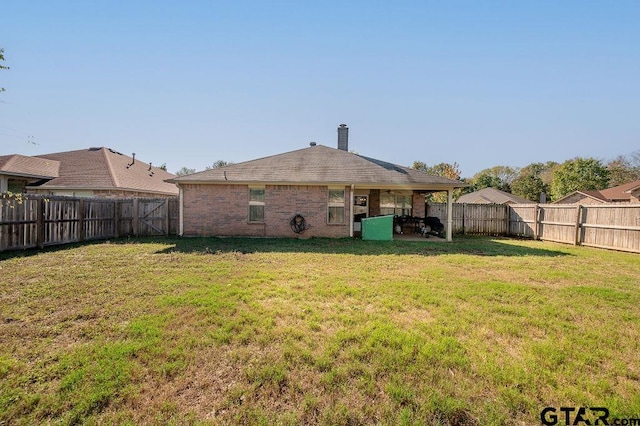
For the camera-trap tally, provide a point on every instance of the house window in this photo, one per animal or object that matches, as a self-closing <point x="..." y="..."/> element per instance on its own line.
<point x="336" y="206"/>
<point x="396" y="204"/>
<point x="256" y="204"/>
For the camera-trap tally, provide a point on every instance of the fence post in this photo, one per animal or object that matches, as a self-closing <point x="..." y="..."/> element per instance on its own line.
<point x="507" y="216"/>
<point x="577" y="228"/>
<point x="536" y="213"/>
<point x="116" y="218"/>
<point x="135" y="218"/>
<point x="81" y="230"/>
<point x="464" y="231"/>
<point x="40" y="223"/>
<point x="166" y="217"/>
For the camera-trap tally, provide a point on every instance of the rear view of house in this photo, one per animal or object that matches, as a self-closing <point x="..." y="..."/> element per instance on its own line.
<point x="317" y="191"/>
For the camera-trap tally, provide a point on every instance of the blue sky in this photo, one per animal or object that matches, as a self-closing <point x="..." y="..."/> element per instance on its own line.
<point x="481" y="83"/>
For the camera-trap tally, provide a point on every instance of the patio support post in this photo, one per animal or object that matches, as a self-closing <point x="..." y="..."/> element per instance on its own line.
<point x="450" y="214"/>
<point x="181" y="212"/>
<point x="351" y="211"/>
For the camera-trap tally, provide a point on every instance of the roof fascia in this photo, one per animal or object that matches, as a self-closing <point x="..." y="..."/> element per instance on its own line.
<point x="91" y="188"/>
<point x="367" y="185"/>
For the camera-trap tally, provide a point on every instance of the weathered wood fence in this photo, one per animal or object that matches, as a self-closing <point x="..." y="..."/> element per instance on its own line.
<point x="28" y="221"/>
<point x="610" y="226"/>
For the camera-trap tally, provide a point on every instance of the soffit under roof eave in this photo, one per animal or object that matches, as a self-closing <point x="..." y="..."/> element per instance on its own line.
<point x="93" y="188"/>
<point x="25" y="175"/>
<point x="362" y="185"/>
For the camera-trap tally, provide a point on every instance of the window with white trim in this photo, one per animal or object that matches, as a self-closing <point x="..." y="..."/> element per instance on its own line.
<point x="335" y="206"/>
<point x="256" y="204"/>
<point x="396" y="204"/>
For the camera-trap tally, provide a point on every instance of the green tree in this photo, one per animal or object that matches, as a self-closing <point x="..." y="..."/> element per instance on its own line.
<point x="533" y="180"/>
<point x="2" y="67"/>
<point x="185" y="171"/>
<point x="447" y="170"/>
<point x="499" y="177"/>
<point x="529" y="187"/>
<point x="624" y="169"/>
<point x="218" y="164"/>
<point x="579" y="174"/>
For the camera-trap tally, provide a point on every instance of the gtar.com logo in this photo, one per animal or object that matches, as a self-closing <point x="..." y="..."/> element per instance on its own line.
<point x="583" y="416"/>
<point x="588" y="416"/>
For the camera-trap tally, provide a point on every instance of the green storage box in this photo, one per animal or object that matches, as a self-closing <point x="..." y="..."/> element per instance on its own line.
<point x="377" y="228"/>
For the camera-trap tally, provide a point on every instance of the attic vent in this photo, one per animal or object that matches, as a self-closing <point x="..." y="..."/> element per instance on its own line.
<point x="94" y="148"/>
<point x="312" y="144"/>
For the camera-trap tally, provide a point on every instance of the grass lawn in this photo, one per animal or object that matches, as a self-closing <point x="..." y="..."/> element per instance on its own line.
<point x="222" y="331"/>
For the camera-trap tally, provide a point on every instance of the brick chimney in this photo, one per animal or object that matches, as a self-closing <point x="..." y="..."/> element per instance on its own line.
<point x="343" y="137"/>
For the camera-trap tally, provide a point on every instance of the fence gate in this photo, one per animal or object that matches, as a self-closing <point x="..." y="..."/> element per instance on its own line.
<point x="153" y="217"/>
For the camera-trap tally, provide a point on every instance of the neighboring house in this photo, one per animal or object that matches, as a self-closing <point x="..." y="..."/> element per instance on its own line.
<point x="331" y="189"/>
<point x="492" y="196"/>
<point x="93" y="172"/>
<point x="627" y="193"/>
<point x="18" y="171"/>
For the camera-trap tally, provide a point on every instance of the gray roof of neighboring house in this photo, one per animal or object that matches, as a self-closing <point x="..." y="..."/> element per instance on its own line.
<point x="492" y="196"/>
<point x="321" y="165"/>
<point x="105" y="169"/>
<point x="29" y="167"/>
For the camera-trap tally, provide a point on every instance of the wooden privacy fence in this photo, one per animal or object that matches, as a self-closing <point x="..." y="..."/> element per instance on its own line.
<point x="610" y="226"/>
<point x="28" y="221"/>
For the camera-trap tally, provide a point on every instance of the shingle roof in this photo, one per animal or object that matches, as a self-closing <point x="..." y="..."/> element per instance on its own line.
<point x="492" y="196"/>
<point x="321" y="164"/>
<point x="32" y="167"/>
<point x="621" y="192"/>
<point x="104" y="168"/>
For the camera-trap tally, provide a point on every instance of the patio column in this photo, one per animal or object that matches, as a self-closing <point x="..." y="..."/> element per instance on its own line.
<point x="450" y="214"/>
<point x="180" y="211"/>
<point x="4" y="184"/>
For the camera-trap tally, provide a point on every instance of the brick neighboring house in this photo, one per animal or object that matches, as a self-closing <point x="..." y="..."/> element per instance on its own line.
<point x="18" y="171"/>
<point x="98" y="172"/>
<point x="330" y="188"/>
<point x="492" y="196"/>
<point x="626" y="193"/>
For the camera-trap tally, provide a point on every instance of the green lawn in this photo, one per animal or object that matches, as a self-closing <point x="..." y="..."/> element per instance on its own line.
<point x="261" y="331"/>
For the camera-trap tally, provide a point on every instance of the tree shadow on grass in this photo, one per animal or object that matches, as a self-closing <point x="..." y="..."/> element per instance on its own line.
<point x="469" y="245"/>
<point x="478" y="246"/>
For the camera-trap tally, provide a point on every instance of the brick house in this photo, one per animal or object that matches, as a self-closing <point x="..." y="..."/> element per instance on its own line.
<point x="626" y="193"/>
<point x="331" y="189"/>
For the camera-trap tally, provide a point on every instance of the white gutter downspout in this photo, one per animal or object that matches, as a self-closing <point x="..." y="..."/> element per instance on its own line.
<point x="450" y="214"/>
<point x="351" y="212"/>
<point x="181" y="214"/>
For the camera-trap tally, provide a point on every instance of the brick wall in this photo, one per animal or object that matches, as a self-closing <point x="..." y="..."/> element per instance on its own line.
<point x="374" y="202"/>
<point x="418" y="205"/>
<point x="222" y="210"/>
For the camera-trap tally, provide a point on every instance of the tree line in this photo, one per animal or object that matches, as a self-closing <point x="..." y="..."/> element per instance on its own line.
<point x="550" y="180"/>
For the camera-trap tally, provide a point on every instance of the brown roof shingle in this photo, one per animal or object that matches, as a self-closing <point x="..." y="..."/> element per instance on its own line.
<point x="104" y="168"/>
<point x="23" y="166"/>
<point x="320" y="164"/>
<point x="621" y="192"/>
